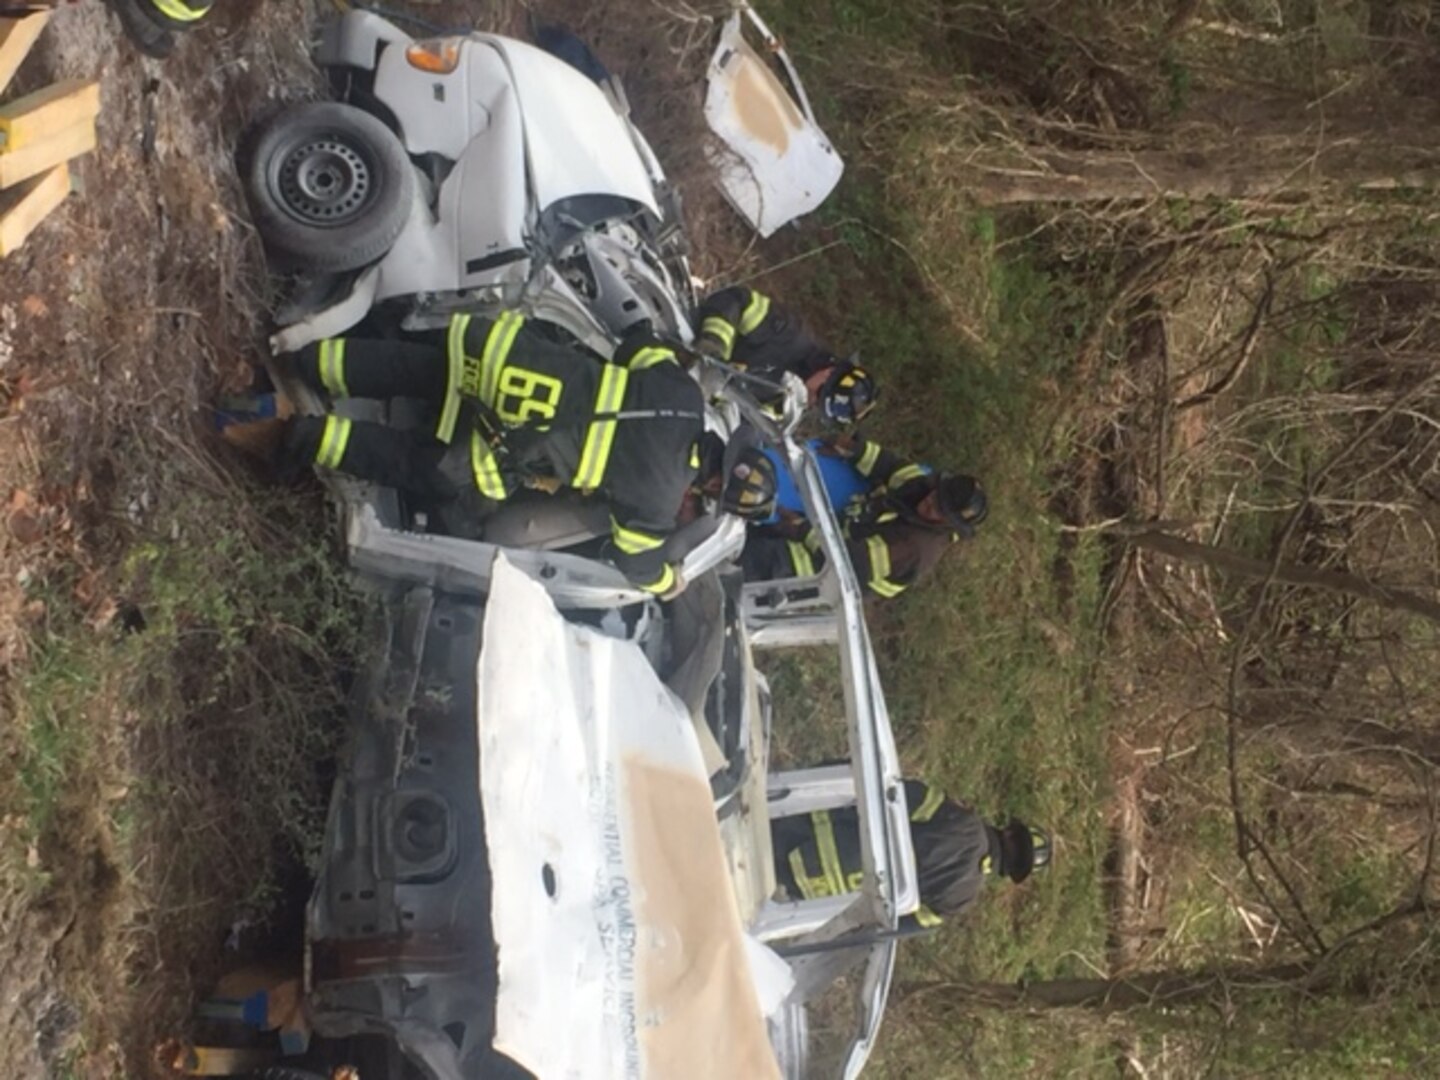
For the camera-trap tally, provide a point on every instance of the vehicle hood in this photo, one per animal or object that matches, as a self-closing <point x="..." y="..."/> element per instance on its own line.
<point x="575" y="142"/>
<point x="621" y="948"/>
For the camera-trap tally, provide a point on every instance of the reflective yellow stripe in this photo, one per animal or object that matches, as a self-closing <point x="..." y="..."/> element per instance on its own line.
<point x="333" y="441"/>
<point x="906" y="474"/>
<point x="811" y="888"/>
<point x="181" y="11"/>
<point x="719" y="328"/>
<point x="800" y="559"/>
<point x="664" y="582"/>
<point x="454" y="377"/>
<point x="649" y="357"/>
<point x="497" y="350"/>
<point x="927" y="918"/>
<point x="633" y="542"/>
<point x="601" y="435"/>
<point x="486" y="468"/>
<point x="868" y="458"/>
<point x="934" y="797"/>
<point x="755" y="312"/>
<point x="830" y="864"/>
<point x="332" y="367"/>
<point x="987" y="864"/>
<point x="880" y="568"/>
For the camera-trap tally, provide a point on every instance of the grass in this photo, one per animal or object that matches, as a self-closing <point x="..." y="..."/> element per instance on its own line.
<point x="169" y="727"/>
<point x="993" y="670"/>
<point x="989" y="666"/>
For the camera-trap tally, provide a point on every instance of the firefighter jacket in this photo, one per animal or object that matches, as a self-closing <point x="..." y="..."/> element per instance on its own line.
<point x="891" y="546"/>
<point x="760" y="336"/>
<point x="531" y="412"/>
<point x="818" y="854"/>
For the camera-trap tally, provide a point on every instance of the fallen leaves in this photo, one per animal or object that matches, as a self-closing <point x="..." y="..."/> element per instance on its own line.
<point x="24" y="519"/>
<point x="31" y="518"/>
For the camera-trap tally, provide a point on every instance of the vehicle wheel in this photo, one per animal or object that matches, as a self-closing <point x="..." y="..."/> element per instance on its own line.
<point x="330" y="187"/>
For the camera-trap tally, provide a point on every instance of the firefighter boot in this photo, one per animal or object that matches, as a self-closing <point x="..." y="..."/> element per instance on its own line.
<point x="144" y="32"/>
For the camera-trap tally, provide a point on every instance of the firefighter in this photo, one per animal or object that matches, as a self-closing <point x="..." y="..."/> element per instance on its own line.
<point x="747" y="329"/>
<point x="517" y="409"/>
<point x="956" y="852"/>
<point x="152" y="25"/>
<point x="895" y="533"/>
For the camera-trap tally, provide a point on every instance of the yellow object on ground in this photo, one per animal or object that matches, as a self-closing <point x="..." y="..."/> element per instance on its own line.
<point x="32" y="118"/>
<point x="46" y="153"/>
<point x="22" y="210"/>
<point x="17" y="35"/>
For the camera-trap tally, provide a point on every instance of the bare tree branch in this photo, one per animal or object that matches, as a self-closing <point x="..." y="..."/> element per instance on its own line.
<point x="1242" y="361"/>
<point x="1286" y="573"/>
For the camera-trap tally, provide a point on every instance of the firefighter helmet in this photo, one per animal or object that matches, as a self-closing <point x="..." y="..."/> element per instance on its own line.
<point x="1027" y="849"/>
<point x="750" y="488"/>
<point x="962" y="503"/>
<point x="848" y="393"/>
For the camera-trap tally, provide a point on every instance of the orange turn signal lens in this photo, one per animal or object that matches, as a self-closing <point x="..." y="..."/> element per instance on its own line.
<point x="439" y="56"/>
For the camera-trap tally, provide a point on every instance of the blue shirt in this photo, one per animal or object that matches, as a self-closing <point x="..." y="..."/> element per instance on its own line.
<point x="842" y="481"/>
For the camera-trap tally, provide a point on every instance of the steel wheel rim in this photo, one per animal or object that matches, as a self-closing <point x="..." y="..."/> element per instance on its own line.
<point x="324" y="181"/>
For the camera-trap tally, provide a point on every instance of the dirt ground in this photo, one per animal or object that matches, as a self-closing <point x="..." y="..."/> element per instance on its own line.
<point x="132" y="309"/>
<point x="135" y="303"/>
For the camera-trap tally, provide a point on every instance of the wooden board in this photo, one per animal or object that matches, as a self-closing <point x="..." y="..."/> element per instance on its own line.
<point x="19" y="216"/>
<point x="47" y="153"/>
<point x="29" y="119"/>
<point x="220" y="1060"/>
<point x="17" y="35"/>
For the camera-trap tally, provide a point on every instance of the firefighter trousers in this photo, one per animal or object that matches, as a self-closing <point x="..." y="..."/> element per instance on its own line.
<point x="413" y="461"/>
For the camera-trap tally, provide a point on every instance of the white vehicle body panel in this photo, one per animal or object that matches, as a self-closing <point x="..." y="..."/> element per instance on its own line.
<point x="576" y="142"/>
<point x="778" y="165"/>
<point x="621" y="949"/>
<point x="524" y="131"/>
<point x="472" y="117"/>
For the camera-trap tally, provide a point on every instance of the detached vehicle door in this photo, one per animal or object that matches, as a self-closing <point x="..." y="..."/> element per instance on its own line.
<point x="621" y="947"/>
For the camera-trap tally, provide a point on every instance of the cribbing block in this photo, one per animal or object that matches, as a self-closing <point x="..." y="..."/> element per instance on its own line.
<point x="23" y="210"/>
<point x="17" y="35"/>
<point x="47" y="153"/>
<point x="29" y="119"/>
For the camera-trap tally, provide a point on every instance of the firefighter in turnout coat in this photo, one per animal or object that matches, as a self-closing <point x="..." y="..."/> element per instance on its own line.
<point x="518" y="409"/>
<point x="895" y="534"/>
<point x="747" y="329"/>
<point x="956" y="852"/>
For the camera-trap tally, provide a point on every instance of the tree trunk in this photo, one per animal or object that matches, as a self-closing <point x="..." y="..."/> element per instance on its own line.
<point x="1151" y="989"/>
<point x="1230" y="562"/>
<point x="1253" y="167"/>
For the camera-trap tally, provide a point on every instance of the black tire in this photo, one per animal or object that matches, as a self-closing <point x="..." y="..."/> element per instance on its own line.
<point x="330" y="187"/>
<point x="287" y="1072"/>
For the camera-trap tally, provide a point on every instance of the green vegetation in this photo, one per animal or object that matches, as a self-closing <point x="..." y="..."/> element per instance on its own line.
<point x="217" y="619"/>
<point x="172" y="724"/>
<point x="1008" y="343"/>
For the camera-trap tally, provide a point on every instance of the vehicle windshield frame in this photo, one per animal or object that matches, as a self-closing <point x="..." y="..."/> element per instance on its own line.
<point x="829" y="608"/>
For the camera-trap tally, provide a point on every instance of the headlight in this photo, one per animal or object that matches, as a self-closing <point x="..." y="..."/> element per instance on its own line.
<point x="439" y="56"/>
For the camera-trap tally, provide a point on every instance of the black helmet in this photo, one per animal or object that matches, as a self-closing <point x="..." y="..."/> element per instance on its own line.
<point x="750" y="487"/>
<point x="848" y="393"/>
<point x="1026" y="849"/>
<point x="962" y="503"/>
